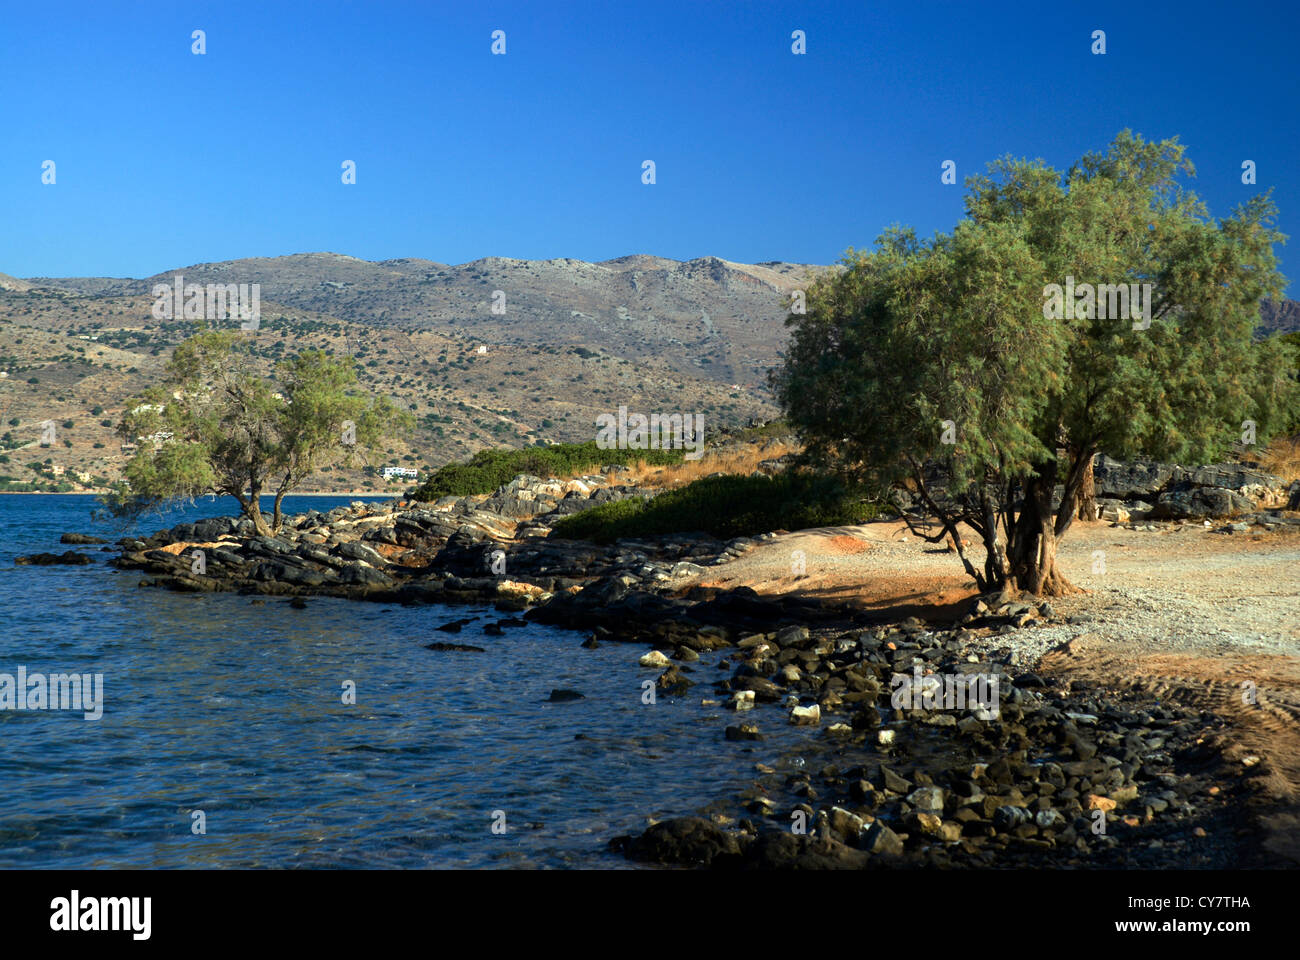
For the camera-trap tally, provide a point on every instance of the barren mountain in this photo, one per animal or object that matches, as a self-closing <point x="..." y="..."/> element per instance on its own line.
<point x="488" y="353"/>
<point x="708" y="318"/>
<point x="1275" y="317"/>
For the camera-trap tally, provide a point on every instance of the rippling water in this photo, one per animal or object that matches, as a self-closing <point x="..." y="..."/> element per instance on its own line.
<point x="233" y="705"/>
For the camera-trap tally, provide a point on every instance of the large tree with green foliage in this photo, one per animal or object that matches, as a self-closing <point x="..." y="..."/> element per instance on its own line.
<point x="917" y="333"/>
<point x="217" y="426"/>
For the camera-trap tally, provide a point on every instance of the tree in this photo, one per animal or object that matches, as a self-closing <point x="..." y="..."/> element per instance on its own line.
<point x="215" y="426"/>
<point x="947" y="369"/>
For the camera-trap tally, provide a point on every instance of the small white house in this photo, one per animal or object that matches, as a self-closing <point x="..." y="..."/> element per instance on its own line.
<point x="405" y="473"/>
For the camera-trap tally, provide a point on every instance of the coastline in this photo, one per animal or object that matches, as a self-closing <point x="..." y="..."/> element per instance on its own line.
<point x="1023" y="781"/>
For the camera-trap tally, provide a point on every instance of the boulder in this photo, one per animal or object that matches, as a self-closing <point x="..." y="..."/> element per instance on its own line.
<point x="1188" y="502"/>
<point x="69" y="557"/>
<point x="685" y="841"/>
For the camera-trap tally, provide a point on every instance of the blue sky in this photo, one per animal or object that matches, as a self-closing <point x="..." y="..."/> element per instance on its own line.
<point x="165" y="158"/>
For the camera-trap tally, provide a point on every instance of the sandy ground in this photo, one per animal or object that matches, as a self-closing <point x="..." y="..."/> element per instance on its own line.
<point x="1206" y="619"/>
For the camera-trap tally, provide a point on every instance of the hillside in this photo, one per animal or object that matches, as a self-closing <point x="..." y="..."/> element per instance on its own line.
<point x="1281" y="317"/>
<point x="576" y="340"/>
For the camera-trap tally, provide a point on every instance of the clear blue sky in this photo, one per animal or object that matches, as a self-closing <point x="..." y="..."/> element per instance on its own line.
<point x="165" y="158"/>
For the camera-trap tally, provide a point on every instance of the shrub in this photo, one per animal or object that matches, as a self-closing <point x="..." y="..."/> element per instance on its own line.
<point x="489" y="469"/>
<point x="726" y="506"/>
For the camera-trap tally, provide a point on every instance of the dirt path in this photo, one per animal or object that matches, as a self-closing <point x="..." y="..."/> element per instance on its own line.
<point x="1184" y="614"/>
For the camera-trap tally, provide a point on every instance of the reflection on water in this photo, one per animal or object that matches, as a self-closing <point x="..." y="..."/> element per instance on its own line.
<point x="233" y="705"/>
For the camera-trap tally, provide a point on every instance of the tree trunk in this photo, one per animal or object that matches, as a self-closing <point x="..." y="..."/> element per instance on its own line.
<point x="254" y="511"/>
<point x="277" y="518"/>
<point x="1031" y="549"/>
<point x="1087" y="495"/>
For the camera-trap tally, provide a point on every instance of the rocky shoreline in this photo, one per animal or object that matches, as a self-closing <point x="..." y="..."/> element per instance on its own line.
<point x="1056" y="775"/>
<point x="1060" y="776"/>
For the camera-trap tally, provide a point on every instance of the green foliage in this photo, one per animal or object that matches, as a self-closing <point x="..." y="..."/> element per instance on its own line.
<point x="917" y="333"/>
<point x="1291" y="342"/>
<point x="215" y="426"/>
<point x="726" y="506"/>
<point x="489" y="469"/>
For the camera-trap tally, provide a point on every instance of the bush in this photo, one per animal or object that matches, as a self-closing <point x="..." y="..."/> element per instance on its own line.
<point x="489" y="469"/>
<point x="726" y="506"/>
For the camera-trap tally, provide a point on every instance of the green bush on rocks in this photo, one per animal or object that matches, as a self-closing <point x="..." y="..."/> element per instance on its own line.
<point x="489" y="469"/>
<point x="725" y="506"/>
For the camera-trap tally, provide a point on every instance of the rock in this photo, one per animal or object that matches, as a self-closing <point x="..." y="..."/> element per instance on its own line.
<point x="80" y="538"/>
<point x="928" y="824"/>
<point x="1095" y="802"/>
<point x="655" y="659"/>
<point x="893" y="782"/>
<point x="564" y="696"/>
<point x="360" y="574"/>
<point x="1112" y="511"/>
<point x="1125" y="794"/>
<point x="686" y="841"/>
<point x="1046" y="819"/>
<point x="461" y="647"/>
<point x="928" y="799"/>
<point x="764" y="690"/>
<point x="1139" y="479"/>
<point x="806" y="716"/>
<point x="792" y="637"/>
<point x="743" y="731"/>
<point x="847" y="825"/>
<point x="882" y="841"/>
<point x="1008" y="817"/>
<point x="1215" y="502"/>
<point x="742" y="700"/>
<point x="516" y="588"/>
<point x="68" y="557"/>
<point x="673" y="683"/>
<point x="781" y="850"/>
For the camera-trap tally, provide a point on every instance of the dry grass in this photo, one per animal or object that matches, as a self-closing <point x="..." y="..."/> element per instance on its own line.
<point x="1282" y="458"/>
<point x="743" y="461"/>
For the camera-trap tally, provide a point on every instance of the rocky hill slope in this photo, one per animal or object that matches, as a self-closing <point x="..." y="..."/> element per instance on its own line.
<point x="494" y="352"/>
